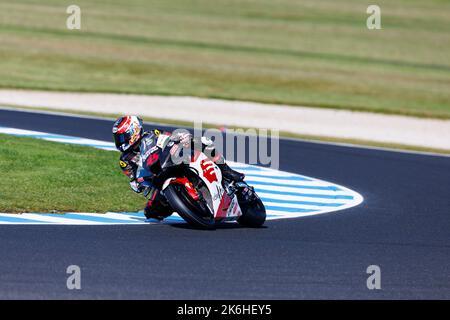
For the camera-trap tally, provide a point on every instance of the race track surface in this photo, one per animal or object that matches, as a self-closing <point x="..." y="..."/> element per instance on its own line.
<point x="403" y="226"/>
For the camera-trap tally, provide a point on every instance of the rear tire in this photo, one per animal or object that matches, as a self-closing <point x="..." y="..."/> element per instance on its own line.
<point x="253" y="214"/>
<point x="190" y="211"/>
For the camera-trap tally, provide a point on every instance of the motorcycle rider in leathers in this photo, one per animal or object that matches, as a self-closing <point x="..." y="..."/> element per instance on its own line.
<point x="130" y="139"/>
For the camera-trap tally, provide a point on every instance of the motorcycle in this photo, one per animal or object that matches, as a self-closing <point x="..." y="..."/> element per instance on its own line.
<point x="196" y="190"/>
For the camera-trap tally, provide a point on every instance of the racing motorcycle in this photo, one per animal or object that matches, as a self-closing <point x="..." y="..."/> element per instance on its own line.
<point x="196" y="190"/>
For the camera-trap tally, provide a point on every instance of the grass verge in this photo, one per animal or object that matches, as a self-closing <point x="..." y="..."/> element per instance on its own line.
<point x="309" y="52"/>
<point x="43" y="176"/>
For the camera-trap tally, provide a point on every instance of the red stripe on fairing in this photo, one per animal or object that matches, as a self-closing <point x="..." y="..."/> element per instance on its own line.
<point x="124" y="125"/>
<point x="223" y="206"/>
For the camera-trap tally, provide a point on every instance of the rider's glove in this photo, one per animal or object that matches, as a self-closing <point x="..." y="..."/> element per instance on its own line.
<point x="182" y="137"/>
<point x="136" y="186"/>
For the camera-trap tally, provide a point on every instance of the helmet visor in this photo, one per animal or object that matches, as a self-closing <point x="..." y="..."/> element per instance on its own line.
<point x="122" y="140"/>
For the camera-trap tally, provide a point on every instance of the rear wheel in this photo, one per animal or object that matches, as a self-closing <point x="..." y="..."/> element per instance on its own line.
<point x="253" y="214"/>
<point x="194" y="212"/>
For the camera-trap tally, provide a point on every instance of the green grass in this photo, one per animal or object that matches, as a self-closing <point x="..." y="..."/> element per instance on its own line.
<point x="43" y="176"/>
<point x="310" y="52"/>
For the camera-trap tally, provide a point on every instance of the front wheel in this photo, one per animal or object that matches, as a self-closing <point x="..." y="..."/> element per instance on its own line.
<point x="196" y="214"/>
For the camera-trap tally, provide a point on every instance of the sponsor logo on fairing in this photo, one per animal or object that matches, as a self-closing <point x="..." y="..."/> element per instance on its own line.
<point x="208" y="170"/>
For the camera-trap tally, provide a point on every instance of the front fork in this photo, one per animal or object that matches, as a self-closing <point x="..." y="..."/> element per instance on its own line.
<point x="244" y="192"/>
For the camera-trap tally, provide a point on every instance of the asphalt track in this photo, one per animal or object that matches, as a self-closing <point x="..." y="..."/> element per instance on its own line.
<point x="403" y="226"/>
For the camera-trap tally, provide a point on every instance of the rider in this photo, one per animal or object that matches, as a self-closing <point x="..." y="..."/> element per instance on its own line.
<point x="130" y="139"/>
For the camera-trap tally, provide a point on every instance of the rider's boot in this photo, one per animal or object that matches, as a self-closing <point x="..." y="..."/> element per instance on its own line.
<point x="157" y="207"/>
<point x="229" y="173"/>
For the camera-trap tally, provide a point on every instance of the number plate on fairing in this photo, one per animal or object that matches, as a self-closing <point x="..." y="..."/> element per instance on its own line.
<point x="224" y="206"/>
<point x="211" y="176"/>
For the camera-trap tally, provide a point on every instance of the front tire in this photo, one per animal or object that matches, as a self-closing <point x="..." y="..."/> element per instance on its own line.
<point x="195" y="214"/>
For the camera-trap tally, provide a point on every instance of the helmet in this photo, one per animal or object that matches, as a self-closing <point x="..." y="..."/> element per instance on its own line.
<point x="127" y="131"/>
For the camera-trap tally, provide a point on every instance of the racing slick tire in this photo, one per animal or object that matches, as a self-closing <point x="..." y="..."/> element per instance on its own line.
<point x="196" y="214"/>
